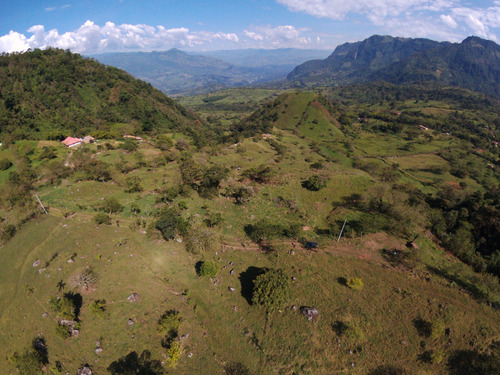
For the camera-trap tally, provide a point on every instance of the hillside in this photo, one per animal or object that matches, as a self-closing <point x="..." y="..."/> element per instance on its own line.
<point x="352" y="231"/>
<point x="52" y="94"/>
<point x="179" y="73"/>
<point x="472" y="64"/>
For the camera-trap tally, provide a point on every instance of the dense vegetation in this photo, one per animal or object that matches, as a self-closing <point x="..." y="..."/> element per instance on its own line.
<point x="52" y="94"/>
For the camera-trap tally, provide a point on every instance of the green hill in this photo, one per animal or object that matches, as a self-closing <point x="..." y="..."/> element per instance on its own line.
<point x="52" y="93"/>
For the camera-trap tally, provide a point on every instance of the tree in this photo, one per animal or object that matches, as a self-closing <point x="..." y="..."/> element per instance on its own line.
<point x="315" y="183"/>
<point x="111" y="205"/>
<point x="271" y="289"/>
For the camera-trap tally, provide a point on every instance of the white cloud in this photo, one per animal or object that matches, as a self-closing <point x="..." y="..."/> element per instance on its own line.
<point x="449" y="21"/>
<point x="13" y="42"/>
<point x="411" y="16"/>
<point x="91" y="38"/>
<point x="282" y="36"/>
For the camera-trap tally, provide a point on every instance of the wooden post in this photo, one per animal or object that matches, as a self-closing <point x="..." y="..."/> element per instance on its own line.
<point x="39" y="201"/>
<point x="341" y="231"/>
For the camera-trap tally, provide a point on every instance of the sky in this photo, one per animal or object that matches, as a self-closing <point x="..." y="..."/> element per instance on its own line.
<point x="99" y="26"/>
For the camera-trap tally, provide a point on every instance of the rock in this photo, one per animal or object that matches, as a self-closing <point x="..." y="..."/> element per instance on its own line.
<point x="235" y="308"/>
<point x="232" y="263"/>
<point x="231" y="289"/>
<point x="294" y="307"/>
<point x="179" y="240"/>
<point x="232" y="272"/>
<point x="70" y="261"/>
<point x="130" y="322"/>
<point x="44" y="315"/>
<point x="97" y="344"/>
<point x="85" y="370"/>
<point x="99" y="350"/>
<point x="310" y="313"/>
<point x="36" y="263"/>
<point x="190" y="355"/>
<point x="291" y="252"/>
<point x="134" y="297"/>
<point x="75" y="333"/>
<point x="41" y="270"/>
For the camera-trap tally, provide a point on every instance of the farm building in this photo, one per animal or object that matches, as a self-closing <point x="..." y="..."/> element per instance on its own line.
<point x="72" y="142"/>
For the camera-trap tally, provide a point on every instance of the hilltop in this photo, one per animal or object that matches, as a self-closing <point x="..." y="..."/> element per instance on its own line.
<point x="472" y="64"/>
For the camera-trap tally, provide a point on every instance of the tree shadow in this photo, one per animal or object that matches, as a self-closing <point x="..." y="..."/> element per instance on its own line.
<point x="342" y="281"/>
<point x="133" y="364"/>
<point x="197" y="267"/>
<point x="423" y="327"/>
<point x="236" y="368"/>
<point x="247" y="279"/>
<point x="465" y="362"/>
<point x="77" y="300"/>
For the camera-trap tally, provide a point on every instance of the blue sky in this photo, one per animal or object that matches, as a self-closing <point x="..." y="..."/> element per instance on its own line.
<point x="97" y="26"/>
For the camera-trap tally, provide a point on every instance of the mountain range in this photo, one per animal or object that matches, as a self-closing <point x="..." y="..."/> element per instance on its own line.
<point x="179" y="73"/>
<point x="473" y="64"/>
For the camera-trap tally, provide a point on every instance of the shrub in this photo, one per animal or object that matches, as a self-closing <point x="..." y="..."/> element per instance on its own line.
<point x="170" y="223"/>
<point x="348" y="330"/>
<point x="102" y="218"/>
<point x="63" y="331"/>
<point x="201" y="239"/>
<point x="66" y="307"/>
<point x="173" y="353"/>
<point x="209" y="268"/>
<point x="98" y="308"/>
<point x="5" y="164"/>
<point x="271" y="289"/>
<point x="84" y="278"/>
<point x="355" y="283"/>
<point x="169" y="323"/>
<point x="133" y="184"/>
<point x="315" y="183"/>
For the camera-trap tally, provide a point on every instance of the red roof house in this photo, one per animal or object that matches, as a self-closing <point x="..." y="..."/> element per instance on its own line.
<point x="72" y="142"/>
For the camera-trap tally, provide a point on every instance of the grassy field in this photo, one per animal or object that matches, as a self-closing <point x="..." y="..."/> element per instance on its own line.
<point x="418" y="307"/>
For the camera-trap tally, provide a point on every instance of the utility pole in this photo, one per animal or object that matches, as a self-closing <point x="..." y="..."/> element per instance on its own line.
<point x="341" y="231"/>
<point x="39" y="201"/>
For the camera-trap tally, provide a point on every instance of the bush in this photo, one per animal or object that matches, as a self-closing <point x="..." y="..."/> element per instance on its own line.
<point x="65" y="307"/>
<point x="201" y="239"/>
<point x="102" y="218"/>
<point x="170" y="223"/>
<point x="63" y="331"/>
<point x="315" y="183"/>
<point x="208" y="268"/>
<point x="355" y="283"/>
<point x="98" y="308"/>
<point x="5" y="164"/>
<point x="169" y="323"/>
<point x="173" y="353"/>
<point x="271" y="289"/>
<point x="133" y="184"/>
<point x="84" y="278"/>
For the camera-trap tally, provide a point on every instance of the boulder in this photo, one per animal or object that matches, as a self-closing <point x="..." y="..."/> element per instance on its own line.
<point x="85" y="370"/>
<point x="310" y="313"/>
<point x="134" y="297"/>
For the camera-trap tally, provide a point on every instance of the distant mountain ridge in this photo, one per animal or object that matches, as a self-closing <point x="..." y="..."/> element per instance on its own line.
<point x="473" y="64"/>
<point x="176" y="72"/>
